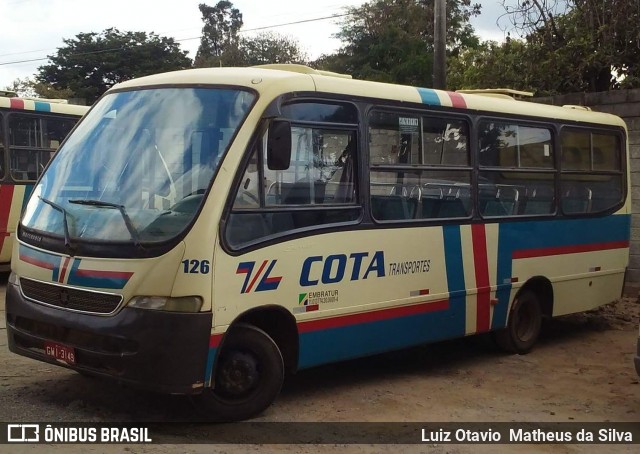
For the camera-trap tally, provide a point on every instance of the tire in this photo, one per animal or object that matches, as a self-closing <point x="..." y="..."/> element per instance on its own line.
<point x="523" y="326"/>
<point x="248" y="376"/>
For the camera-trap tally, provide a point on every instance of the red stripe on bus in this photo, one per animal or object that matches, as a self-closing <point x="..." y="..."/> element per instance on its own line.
<point x="214" y="340"/>
<point x="16" y="103"/>
<point x="6" y="197"/>
<point x="255" y="278"/>
<point x="373" y="316"/>
<point x="36" y="262"/>
<point x="481" y="265"/>
<point x="103" y="274"/>
<point x="64" y="269"/>
<point x="457" y="100"/>
<point x="560" y="250"/>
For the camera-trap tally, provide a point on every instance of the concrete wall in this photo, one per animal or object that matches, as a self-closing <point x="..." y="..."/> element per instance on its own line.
<point x="625" y="104"/>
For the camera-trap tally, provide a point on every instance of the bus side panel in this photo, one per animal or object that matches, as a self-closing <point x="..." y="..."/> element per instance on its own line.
<point x="357" y="293"/>
<point x="584" y="259"/>
<point x="13" y="199"/>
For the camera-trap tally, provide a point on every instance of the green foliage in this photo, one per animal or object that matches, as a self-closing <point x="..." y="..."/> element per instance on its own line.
<point x="219" y="40"/>
<point x="270" y="48"/>
<point x="392" y="40"/>
<point x="29" y="88"/>
<point x="570" y="46"/>
<point x="221" y="44"/>
<point x="91" y="63"/>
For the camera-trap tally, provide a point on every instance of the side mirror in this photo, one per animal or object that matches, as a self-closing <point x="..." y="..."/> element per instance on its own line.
<point x="279" y="145"/>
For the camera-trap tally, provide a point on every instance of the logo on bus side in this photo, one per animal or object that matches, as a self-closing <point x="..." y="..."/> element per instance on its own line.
<point x="265" y="283"/>
<point x="333" y="268"/>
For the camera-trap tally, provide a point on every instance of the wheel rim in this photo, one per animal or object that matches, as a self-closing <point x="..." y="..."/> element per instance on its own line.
<point x="525" y="322"/>
<point x="238" y="375"/>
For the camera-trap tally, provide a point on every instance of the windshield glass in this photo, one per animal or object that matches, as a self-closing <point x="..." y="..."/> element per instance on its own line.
<point x="137" y="167"/>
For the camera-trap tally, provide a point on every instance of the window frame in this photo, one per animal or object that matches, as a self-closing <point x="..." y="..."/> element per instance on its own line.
<point x="422" y="114"/>
<point x="363" y="167"/>
<point x="519" y="121"/>
<point x="42" y="118"/>
<point x="256" y="143"/>
<point x="622" y="172"/>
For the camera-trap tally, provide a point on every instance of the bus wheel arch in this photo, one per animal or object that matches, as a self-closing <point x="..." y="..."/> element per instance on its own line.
<point x="248" y="376"/>
<point x="532" y="302"/>
<point x="280" y="325"/>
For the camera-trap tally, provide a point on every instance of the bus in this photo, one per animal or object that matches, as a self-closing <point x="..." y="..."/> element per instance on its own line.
<point x="206" y="232"/>
<point x="30" y="131"/>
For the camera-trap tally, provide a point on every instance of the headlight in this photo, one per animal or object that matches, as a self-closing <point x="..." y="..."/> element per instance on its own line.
<point x="165" y="303"/>
<point x="13" y="278"/>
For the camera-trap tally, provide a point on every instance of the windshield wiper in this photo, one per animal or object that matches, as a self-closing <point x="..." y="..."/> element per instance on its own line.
<point x="127" y="220"/>
<point x="65" y="224"/>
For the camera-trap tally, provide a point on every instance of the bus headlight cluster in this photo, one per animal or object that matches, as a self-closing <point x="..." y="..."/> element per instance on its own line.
<point x="165" y="303"/>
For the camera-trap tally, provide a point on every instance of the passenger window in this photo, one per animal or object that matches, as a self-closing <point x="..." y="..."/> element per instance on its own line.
<point x="591" y="176"/>
<point x="420" y="167"/>
<point x="26" y="142"/>
<point x="445" y="142"/>
<point x="512" y="180"/>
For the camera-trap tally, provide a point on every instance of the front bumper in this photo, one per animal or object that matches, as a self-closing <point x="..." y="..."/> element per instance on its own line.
<point x="155" y="350"/>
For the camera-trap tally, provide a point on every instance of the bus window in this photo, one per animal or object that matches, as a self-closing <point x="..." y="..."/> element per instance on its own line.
<point x="435" y="186"/>
<point x="512" y="179"/>
<point x="33" y="141"/>
<point x="317" y="188"/>
<point x="591" y="171"/>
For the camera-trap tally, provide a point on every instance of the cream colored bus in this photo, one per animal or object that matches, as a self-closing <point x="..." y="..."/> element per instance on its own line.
<point x="205" y="232"/>
<point x="31" y="130"/>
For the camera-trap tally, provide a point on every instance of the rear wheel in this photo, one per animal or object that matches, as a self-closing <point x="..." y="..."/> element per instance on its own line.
<point x="248" y="376"/>
<point x="523" y="326"/>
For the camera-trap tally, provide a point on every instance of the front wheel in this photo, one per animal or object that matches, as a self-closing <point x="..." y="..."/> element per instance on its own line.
<point x="248" y="376"/>
<point x="523" y="326"/>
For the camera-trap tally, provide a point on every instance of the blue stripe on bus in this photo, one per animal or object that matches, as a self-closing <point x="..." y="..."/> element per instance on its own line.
<point x="42" y="106"/>
<point x="429" y="97"/>
<point x="28" y="189"/>
<point x="519" y="236"/>
<point x="211" y="357"/>
<point x="363" y="339"/>
<point x="452" y="241"/>
<point x="371" y="337"/>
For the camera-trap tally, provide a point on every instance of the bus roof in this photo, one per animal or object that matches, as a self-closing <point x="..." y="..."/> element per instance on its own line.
<point x="273" y="80"/>
<point x="42" y="105"/>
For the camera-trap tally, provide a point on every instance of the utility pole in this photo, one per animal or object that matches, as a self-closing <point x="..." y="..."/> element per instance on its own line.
<point x="439" y="44"/>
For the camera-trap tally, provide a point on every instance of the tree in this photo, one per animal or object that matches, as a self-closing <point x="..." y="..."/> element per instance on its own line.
<point x="270" y="48"/>
<point x="93" y="62"/>
<point x="219" y="40"/>
<point x="591" y="45"/>
<point x="392" y="40"/>
<point x="28" y="88"/>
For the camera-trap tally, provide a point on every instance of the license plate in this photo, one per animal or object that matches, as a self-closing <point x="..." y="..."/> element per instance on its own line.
<point x="60" y="352"/>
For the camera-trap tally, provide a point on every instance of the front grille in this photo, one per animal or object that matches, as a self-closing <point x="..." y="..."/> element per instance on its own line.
<point x="69" y="298"/>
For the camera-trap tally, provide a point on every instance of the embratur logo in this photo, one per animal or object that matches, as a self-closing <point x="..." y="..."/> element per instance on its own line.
<point x="303" y="299"/>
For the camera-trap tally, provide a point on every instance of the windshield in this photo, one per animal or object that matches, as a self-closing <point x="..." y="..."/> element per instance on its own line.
<point x="136" y="168"/>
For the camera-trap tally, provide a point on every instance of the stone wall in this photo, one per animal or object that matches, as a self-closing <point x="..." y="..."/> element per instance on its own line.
<point x="625" y="104"/>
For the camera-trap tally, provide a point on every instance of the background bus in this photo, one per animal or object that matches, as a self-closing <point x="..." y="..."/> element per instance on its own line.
<point x="31" y="130"/>
<point x="205" y="231"/>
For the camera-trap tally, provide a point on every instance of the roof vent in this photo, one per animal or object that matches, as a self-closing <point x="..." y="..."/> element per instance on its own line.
<point x="302" y="69"/>
<point x="508" y="93"/>
<point x="576" y="107"/>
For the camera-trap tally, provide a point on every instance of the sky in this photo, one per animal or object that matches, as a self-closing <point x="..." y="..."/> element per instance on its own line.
<point x="33" y="29"/>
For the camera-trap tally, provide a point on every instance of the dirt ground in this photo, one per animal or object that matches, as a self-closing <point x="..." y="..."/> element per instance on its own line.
<point x="581" y="370"/>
